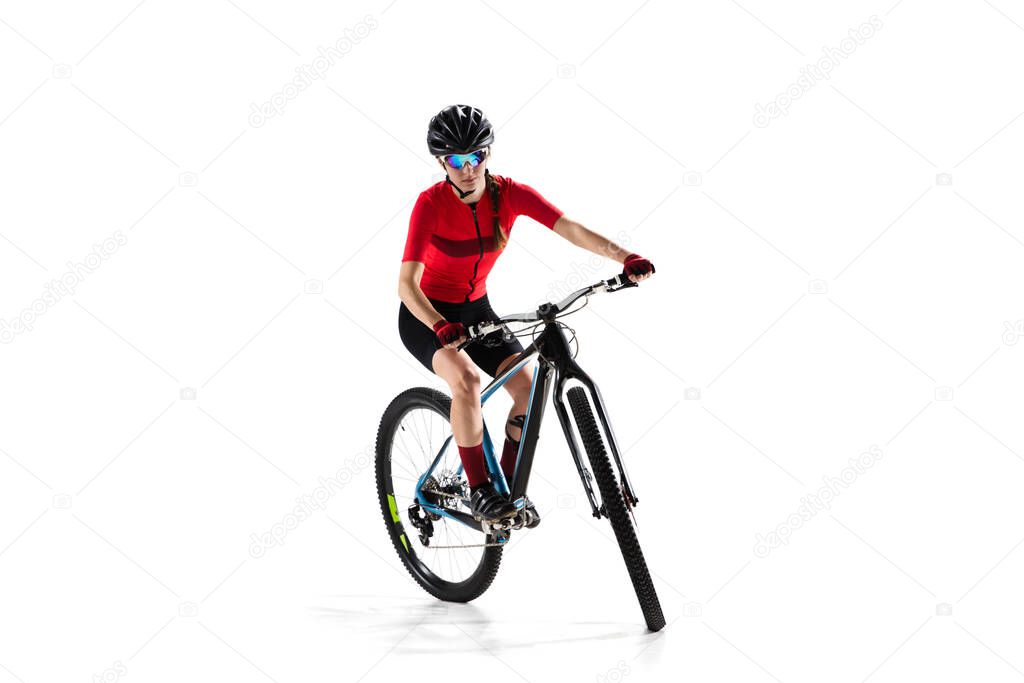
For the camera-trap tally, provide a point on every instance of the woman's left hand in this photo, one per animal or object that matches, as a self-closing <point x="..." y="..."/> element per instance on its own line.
<point x="637" y="267"/>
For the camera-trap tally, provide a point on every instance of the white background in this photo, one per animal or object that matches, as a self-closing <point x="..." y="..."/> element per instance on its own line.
<point x="819" y="290"/>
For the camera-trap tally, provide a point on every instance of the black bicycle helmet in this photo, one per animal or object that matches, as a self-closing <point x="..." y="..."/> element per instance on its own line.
<point x="458" y="129"/>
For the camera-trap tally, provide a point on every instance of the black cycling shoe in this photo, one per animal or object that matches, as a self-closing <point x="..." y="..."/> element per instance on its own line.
<point x="486" y="504"/>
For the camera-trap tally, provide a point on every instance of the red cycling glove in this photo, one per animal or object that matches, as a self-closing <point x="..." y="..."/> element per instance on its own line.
<point x="448" y="332"/>
<point x="637" y="265"/>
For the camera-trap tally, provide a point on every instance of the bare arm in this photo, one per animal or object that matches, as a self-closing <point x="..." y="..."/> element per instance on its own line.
<point x="589" y="240"/>
<point x="413" y="297"/>
<point x="416" y="301"/>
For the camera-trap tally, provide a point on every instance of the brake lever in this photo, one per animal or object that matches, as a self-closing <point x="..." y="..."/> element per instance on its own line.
<point x="624" y="282"/>
<point x="487" y="339"/>
<point x="473" y="334"/>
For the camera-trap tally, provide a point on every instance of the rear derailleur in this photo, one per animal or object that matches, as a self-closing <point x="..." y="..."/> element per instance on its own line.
<point x="423" y="521"/>
<point x="435" y="493"/>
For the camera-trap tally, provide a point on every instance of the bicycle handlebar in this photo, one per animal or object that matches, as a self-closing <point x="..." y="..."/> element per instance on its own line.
<point x="546" y="311"/>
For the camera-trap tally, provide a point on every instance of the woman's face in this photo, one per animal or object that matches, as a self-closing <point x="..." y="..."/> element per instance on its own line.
<point x="469" y="178"/>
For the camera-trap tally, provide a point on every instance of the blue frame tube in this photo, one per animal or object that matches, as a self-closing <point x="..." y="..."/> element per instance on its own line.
<point x="491" y="462"/>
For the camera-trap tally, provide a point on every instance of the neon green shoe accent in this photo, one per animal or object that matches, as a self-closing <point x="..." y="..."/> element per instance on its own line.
<point x="404" y="542"/>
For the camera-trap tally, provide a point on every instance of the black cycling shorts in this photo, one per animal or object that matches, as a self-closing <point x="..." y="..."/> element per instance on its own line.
<point x="422" y="342"/>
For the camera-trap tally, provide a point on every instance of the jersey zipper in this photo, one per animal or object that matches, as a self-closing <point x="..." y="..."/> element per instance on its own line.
<point x="476" y="265"/>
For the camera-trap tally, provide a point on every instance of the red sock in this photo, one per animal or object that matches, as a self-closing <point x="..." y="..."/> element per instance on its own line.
<point x="508" y="458"/>
<point x="473" y="464"/>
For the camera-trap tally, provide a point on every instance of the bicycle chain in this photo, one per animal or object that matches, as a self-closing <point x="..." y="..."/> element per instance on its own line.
<point x="435" y="492"/>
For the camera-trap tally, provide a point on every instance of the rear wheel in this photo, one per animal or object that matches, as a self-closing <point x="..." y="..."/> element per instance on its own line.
<point x="615" y="508"/>
<point x="411" y="433"/>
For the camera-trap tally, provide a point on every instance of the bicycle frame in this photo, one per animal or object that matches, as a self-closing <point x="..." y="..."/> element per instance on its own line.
<point x="556" y="366"/>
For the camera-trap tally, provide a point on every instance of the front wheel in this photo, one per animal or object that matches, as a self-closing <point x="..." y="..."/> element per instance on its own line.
<point x="615" y="508"/>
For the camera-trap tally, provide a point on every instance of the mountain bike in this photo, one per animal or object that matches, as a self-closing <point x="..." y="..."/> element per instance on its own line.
<point x="424" y="495"/>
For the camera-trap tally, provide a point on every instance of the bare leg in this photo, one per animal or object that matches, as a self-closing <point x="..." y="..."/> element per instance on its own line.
<point x="518" y="388"/>
<point x="463" y="379"/>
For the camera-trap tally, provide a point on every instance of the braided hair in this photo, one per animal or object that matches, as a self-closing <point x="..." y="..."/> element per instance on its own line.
<point x="500" y="238"/>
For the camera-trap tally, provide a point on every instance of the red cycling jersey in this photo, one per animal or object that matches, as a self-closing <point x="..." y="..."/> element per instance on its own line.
<point x="455" y="241"/>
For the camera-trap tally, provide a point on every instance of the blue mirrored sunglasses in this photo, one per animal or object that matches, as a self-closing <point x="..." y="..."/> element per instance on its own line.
<point x="457" y="161"/>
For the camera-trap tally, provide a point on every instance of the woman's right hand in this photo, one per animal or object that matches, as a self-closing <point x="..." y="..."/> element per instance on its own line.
<point x="449" y="334"/>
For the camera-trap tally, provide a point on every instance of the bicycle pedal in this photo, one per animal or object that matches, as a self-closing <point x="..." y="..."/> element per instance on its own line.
<point x="499" y="526"/>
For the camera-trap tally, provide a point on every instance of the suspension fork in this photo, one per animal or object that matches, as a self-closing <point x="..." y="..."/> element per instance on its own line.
<point x="554" y="349"/>
<point x="563" y="418"/>
<point x="574" y="372"/>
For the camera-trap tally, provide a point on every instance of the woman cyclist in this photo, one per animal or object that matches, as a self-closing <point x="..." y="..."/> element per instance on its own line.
<point x="459" y="227"/>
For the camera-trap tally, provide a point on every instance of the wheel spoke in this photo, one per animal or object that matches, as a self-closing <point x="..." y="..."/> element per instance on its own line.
<point x="417" y="440"/>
